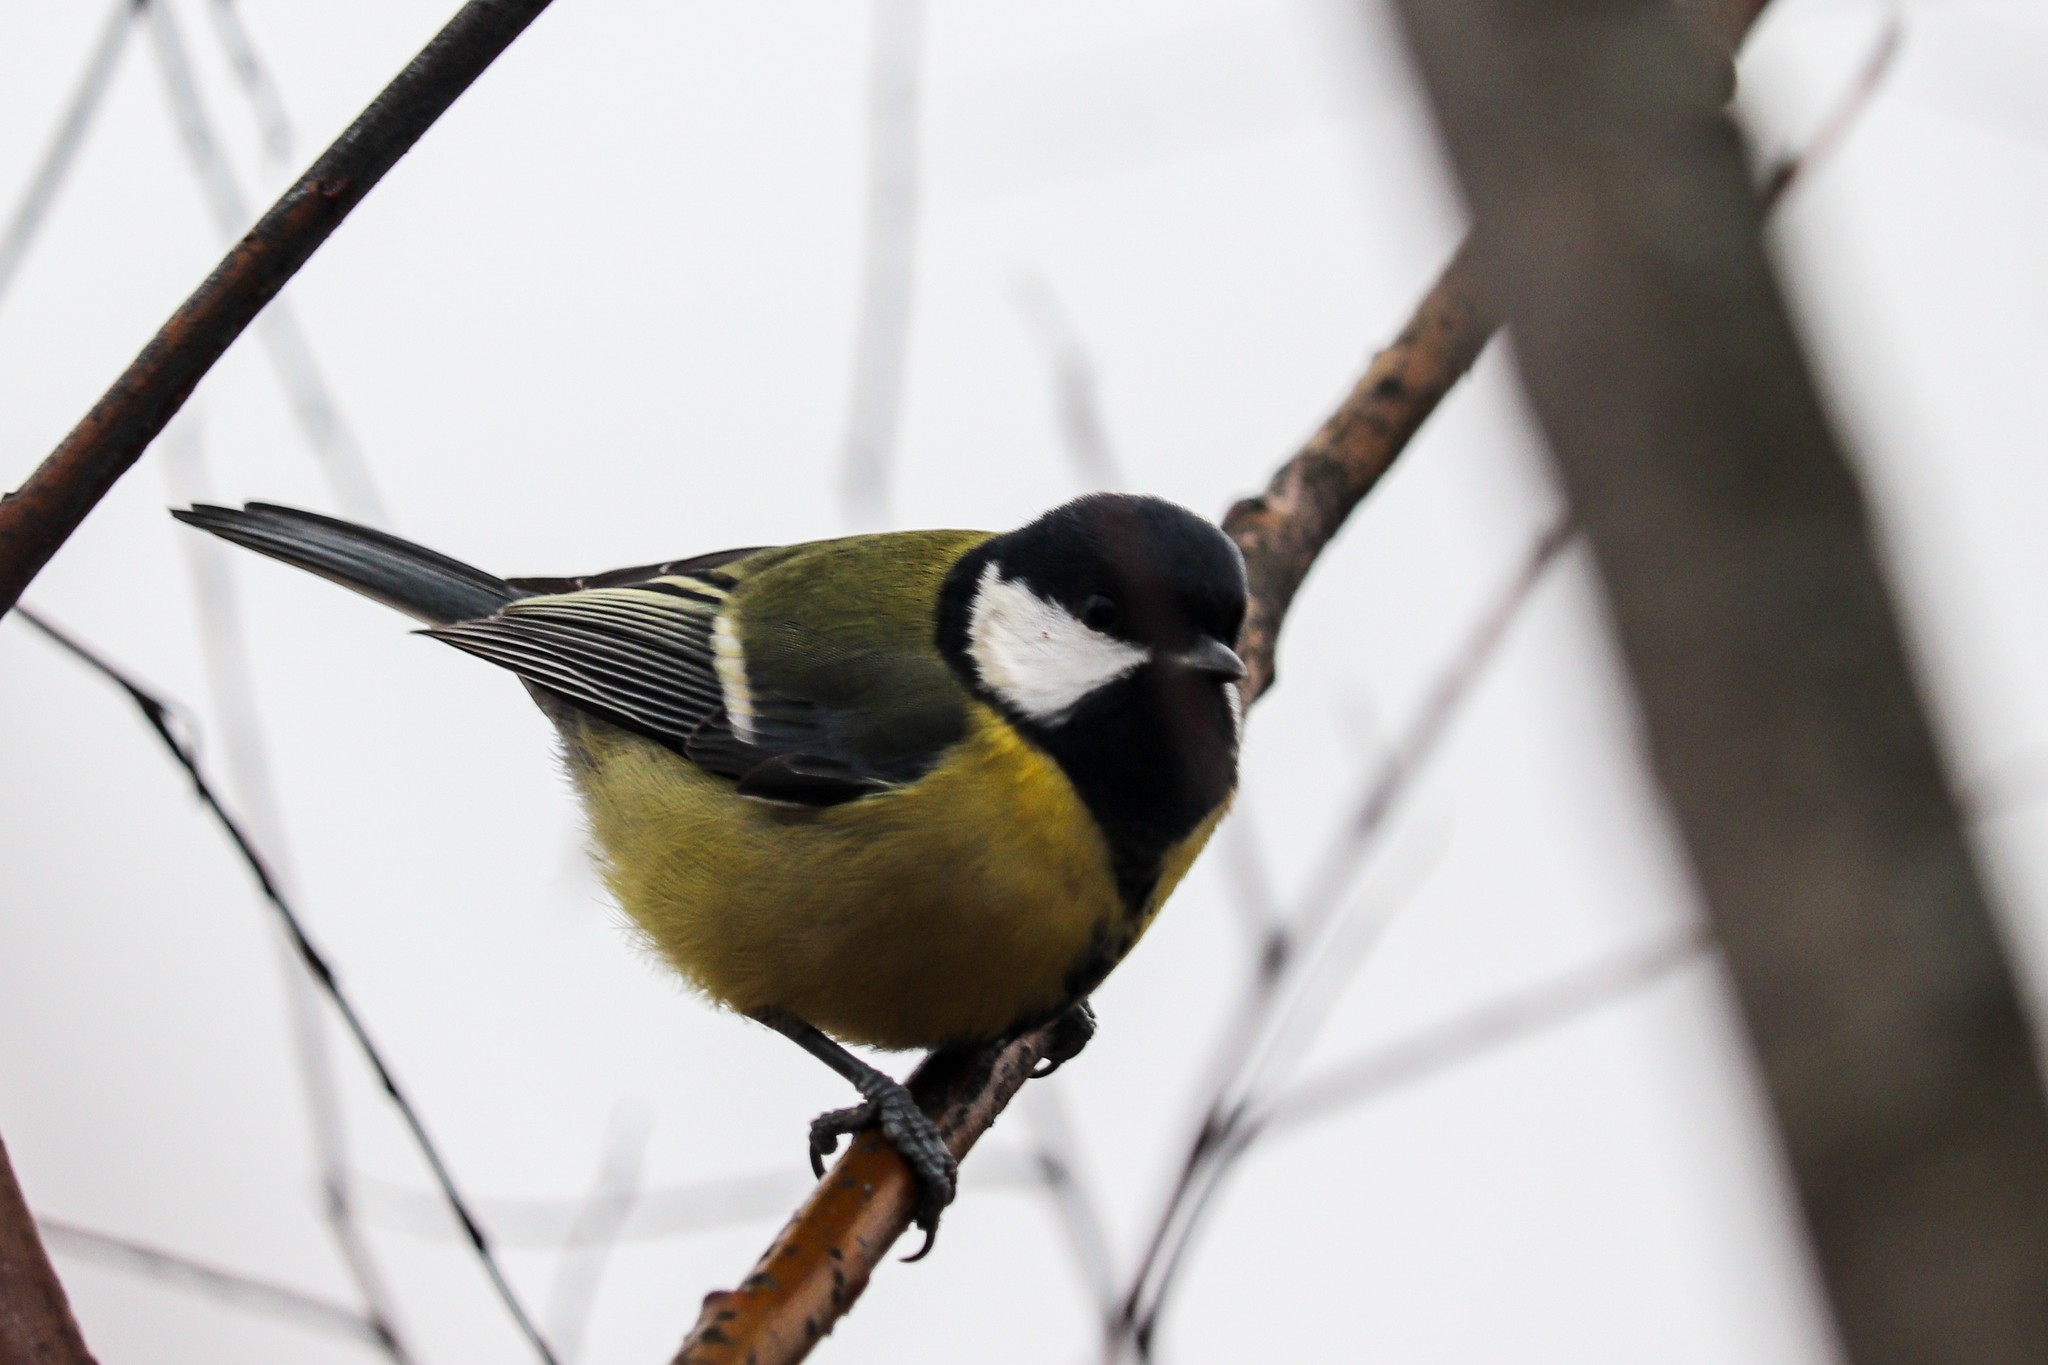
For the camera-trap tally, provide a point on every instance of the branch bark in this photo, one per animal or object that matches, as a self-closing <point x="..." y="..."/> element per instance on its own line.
<point x="37" y="518"/>
<point x="817" y="1267"/>
<point x="1622" y="237"/>
<point x="36" y="1326"/>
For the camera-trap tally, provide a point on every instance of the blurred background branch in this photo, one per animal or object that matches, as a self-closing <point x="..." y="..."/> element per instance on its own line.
<point x="165" y="720"/>
<point x="36" y="1326"/>
<point x="881" y="345"/>
<point x="1782" y="715"/>
<point x="62" y="152"/>
<point x="227" y="1287"/>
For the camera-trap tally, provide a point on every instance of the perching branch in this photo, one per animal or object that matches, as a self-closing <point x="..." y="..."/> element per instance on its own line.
<point x="36" y="1326"/>
<point x="40" y="516"/>
<point x="821" y="1261"/>
<point x="1779" y="707"/>
<point x="1283" y="530"/>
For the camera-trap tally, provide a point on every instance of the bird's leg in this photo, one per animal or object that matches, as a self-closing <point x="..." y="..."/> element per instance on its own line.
<point x="1070" y="1033"/>
<point x="886" y="1105"/>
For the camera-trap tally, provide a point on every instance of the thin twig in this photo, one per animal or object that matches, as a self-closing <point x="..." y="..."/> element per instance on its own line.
<point x="1428" y="1053"/>
<point x="254" y="77"/>
<point x="1301" y="943"/>
<point x="1077" y="391"/>
<point x="70" y="136"/>
<point x="1297" y="942"/>
<point x="1283" y="530"/>
<point x="1057" y="1150"/>
<point x="164" y="719"/>
<point x="1481" y="1030"/>
<point x="231" y="683"/>
<point x="40" y="516"/>
<point x="881" y="350"/>
<point x="1870" y="78"/>
<point x="657" y="1212"/>
<point x="305" y="387"/>
<point x="594" y="1233"/>
<point x="224" y="1286"/>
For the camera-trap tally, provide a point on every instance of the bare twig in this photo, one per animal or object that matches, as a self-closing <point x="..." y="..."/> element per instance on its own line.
<point x="1843" y="118"/>
<point x="1057" y="1150"/>
<point x="1779" y="707"/>
<point x="163" y="719"/>
<point x="70" y="136"/>
<point x="1284" y="529"/>
<point x="594" y="1232"/>
<point x="254" y="78"/>
<point x="1475" y="1032"/>
<point x="40" y="516"/>
<point x="224" y="1286"/>
<point x="1300" y="946"/>
<point x="36" y="1326"/>
<point x="298" y="373"/>
<point x="1411" y="1060"/>
<point x="659" y="1211"/>
<point x="231" y="684"/>
<point x="881" y="348"/>
<point x="1076" y="390"/>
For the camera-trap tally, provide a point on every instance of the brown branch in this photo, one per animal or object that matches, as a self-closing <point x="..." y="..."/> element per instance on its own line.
<point x="36" y="1326"/>
<point x="1778" y="704"/>
<point x="1284" y="529"/>
<point x="40" y="516"/>
<point x="819" y="1264"/>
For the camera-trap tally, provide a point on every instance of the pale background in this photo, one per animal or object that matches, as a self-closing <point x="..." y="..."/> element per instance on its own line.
<point x="605" y="315"/>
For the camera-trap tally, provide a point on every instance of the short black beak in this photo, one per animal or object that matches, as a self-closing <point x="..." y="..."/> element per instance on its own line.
<point x="1212" y="657"/>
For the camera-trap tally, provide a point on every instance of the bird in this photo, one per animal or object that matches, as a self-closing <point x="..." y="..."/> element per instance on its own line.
<point x="910" y="790"/>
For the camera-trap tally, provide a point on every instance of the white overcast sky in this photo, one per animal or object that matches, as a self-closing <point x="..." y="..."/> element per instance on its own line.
<point x="603" y="315"/>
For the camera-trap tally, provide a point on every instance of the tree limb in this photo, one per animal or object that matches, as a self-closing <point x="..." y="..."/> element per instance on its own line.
<point x="36" y="1326"/>
<point x="1780" y="710"/>
<point x="40" y="516"/>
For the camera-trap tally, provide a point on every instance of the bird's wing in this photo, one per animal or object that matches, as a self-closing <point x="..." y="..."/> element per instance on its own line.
<point x="816" y="708"/>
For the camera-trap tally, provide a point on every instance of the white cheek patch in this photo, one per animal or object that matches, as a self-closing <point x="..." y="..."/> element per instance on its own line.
<point x="1035" y="655"/>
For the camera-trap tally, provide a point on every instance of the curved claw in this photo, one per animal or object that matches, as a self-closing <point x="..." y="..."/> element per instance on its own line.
<point x="1070" y="1033"/>
<point x="914" y="1136"/>
<point x="931" y="1235"/>
<point x="830" y="1126"/>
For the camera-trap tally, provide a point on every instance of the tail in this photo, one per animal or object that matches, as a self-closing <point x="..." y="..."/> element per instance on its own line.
<point x="427" y="586"/>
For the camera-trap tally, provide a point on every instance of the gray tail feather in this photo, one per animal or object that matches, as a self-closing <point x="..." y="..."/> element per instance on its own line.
<point x="428" y="586"/>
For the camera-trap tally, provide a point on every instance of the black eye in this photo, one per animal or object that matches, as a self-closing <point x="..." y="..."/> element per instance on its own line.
<point x="1099" y="613"/>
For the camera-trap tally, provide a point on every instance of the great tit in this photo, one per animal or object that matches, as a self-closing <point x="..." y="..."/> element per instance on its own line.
<point x="914" y="790"/>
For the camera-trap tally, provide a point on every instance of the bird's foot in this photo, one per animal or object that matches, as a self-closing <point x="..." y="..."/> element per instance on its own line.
<point x="914" y="1136"/>
<point x="1070" y="1033"/>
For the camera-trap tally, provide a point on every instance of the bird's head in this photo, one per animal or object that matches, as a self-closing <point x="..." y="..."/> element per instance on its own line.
<point x="1107" y="593"/>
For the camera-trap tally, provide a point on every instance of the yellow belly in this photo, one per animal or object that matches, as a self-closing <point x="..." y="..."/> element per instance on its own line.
<point x="946" y="911"/>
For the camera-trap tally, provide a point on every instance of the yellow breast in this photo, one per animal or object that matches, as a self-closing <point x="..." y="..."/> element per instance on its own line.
<point x="946" y="911"/>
